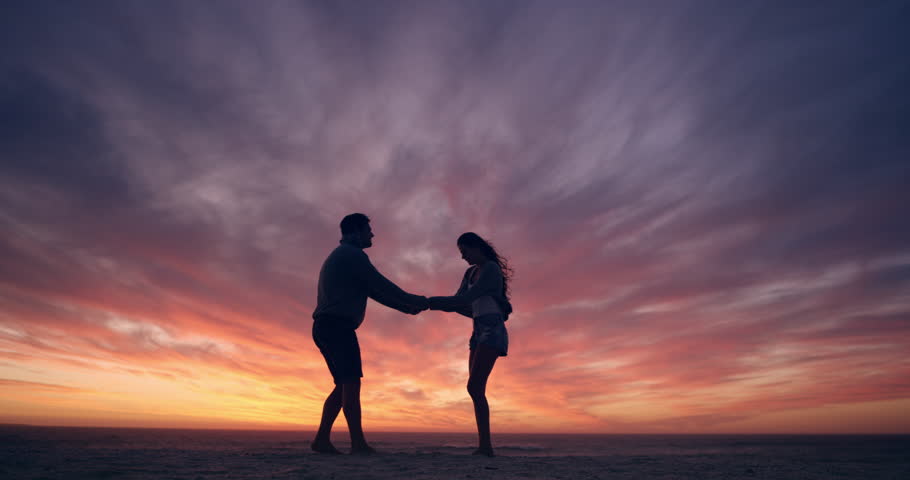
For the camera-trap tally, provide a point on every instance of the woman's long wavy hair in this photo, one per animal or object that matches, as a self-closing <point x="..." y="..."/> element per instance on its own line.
<point x="471" y="239"/>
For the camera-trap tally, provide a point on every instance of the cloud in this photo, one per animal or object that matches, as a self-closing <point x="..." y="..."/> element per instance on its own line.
<point x="703" y="205"/>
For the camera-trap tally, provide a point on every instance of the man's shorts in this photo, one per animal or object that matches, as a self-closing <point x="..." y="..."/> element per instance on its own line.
<point x="341" y="351"/>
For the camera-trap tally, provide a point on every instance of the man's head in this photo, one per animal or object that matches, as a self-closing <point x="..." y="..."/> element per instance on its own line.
<point x="356" y="229"/>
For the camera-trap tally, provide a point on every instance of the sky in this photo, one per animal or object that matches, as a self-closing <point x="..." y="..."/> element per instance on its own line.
<point x="704" y="204"/>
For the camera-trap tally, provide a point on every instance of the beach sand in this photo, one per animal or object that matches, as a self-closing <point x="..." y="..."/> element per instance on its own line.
<point x="448" y="466"/>
<point x="426" y="466"/>
<point x="78" y="453"/>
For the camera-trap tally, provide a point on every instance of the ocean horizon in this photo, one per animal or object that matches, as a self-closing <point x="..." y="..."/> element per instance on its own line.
<point x="138" y="452"/>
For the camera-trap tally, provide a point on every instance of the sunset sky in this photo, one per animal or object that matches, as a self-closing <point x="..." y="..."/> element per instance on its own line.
<point x="705" y="204"/>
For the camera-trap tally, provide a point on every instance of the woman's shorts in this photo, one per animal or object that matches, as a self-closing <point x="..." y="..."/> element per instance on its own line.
<point x="490" y="330"/>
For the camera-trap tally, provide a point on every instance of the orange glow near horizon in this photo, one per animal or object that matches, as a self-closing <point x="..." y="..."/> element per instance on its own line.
<point x="132" y="372"/>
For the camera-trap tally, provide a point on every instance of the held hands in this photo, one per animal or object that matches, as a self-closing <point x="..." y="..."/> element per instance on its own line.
<point x="422" y="305"/>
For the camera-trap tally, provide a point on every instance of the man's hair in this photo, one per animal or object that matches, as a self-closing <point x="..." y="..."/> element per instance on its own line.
<point x="354" y="223"/>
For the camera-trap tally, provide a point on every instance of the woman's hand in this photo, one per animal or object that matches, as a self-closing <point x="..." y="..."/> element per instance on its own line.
<point x="419" y="307"/>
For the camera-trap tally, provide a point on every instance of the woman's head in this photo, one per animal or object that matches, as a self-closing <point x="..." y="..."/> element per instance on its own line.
<point x="475" y="250"/>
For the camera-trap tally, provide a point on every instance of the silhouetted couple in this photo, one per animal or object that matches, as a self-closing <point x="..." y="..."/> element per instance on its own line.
<point x="347" y="278"/>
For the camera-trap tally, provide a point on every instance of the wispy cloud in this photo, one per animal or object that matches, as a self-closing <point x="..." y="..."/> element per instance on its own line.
<point x="703" y="204"/>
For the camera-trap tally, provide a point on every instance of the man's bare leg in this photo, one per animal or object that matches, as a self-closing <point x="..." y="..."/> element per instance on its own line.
<point x="481" y="363"/>
<point x="351" y="406"/>
<point x="330" y="409"/>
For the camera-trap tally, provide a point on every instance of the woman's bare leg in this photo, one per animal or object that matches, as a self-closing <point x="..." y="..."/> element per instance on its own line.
<point x="481" y="362"/>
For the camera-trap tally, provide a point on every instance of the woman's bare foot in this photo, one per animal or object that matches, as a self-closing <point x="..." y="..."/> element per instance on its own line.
<point x="486" y="451"/>
<point x="363" y="450"/>
<point x="324" y="447"/>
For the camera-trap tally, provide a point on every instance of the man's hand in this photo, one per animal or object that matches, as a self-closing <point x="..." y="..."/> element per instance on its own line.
<point x="422" y="305"/>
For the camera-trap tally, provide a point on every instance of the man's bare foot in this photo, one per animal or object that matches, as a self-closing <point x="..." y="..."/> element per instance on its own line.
<point x="486" y="451"/>
<point x="363" y="450"/>
<point x="324" y="447"/>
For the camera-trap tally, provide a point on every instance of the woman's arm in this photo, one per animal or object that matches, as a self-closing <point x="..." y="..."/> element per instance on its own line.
<point x="489" y="282"/>
<point x="462" y="310"/>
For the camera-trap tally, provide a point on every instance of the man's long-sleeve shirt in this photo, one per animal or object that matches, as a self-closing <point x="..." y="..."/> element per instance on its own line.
<point x="346" y="279"/>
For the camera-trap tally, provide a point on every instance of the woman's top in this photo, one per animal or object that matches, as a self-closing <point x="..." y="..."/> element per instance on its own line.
<point x="484" y="305"/>
<point x="473" y="299"/>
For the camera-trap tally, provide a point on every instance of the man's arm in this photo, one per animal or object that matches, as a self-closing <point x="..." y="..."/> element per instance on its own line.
<point x="387" y="293"/>
<point x="421" y="303"/>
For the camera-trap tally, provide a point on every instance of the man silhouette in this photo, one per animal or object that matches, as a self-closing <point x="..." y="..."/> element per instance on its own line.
<point x="346" y="279"/>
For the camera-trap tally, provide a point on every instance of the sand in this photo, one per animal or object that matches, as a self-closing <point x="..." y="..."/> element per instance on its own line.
<point x="448" y="466"/>
<point x="77" y="453"/>
<point x="424" y="466"/>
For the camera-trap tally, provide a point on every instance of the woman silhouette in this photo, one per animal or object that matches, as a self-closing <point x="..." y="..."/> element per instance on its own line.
<point x="483" y="296"/>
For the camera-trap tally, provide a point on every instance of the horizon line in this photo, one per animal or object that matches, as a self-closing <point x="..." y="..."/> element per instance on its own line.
<point x="237" y="429"/>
